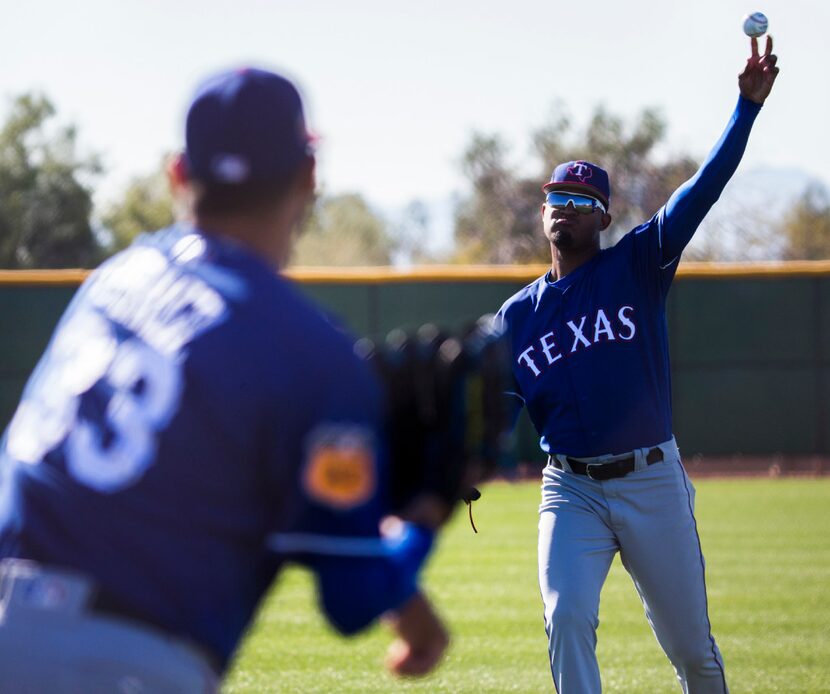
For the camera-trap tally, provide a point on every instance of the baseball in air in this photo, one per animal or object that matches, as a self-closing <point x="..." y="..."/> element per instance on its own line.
<point x="755" y="24"/>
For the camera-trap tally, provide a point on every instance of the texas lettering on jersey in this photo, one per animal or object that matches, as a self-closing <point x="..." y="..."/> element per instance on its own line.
<point x="585" y="331"/>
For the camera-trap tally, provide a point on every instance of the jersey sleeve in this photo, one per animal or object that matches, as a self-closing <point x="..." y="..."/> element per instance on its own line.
<point x="690" y="203"/>
<point x="658" y="243"/>
<point x="513" y="397"/>
<point x="339" y="499"/>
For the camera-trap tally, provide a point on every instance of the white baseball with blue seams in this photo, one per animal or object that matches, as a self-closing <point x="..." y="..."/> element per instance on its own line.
<point x="756" y="24"/>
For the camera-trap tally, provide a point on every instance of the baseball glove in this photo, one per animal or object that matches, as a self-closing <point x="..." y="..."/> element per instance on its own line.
<point x="446" y="418"/>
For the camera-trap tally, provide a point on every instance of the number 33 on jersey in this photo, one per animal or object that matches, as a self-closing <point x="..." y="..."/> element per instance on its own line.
<point x="112" y="377"/>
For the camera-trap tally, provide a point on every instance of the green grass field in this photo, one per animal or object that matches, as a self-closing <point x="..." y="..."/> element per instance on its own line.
<point x="767" y="546"/>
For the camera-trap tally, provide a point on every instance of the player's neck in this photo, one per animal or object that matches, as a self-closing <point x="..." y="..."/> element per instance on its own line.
<point x="266" y="234"/>
<point x="563" y="262"/>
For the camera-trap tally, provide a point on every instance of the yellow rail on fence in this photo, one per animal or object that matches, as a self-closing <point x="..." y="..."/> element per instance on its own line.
<point x="456" y="273"/>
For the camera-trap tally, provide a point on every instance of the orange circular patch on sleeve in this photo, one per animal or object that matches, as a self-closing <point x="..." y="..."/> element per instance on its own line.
<point x="340" y="476"/>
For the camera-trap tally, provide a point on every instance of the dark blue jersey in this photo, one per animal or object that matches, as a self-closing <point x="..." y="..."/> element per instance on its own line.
<point x="193" y="422"/>
<point x="591" y="357"/>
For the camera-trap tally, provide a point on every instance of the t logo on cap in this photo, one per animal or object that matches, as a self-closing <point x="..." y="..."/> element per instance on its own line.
<point x="581" y="177"/>
<point x="581" y="170"/>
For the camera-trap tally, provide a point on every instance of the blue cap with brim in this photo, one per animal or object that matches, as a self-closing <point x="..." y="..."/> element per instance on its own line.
<point x="245" y="126"/>
<point x="581" y="177"/>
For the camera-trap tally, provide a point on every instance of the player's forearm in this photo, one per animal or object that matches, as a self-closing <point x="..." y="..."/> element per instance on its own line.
<point x="692" y="201"/>
<point x="421" y="638"/>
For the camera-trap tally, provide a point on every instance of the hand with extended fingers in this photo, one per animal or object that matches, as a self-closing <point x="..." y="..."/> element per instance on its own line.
<point x="756" y="81"/>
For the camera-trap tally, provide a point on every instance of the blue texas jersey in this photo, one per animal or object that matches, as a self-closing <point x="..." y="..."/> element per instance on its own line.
<point x="192" y="415"/>
<point x="590" y="350"/>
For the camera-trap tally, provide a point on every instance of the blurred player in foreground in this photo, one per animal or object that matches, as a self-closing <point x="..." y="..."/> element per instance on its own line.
<point x="591" y="364"/>
<point x="193" y="422"/>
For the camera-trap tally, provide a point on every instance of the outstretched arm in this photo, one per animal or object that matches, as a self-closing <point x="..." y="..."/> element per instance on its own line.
<point x="692" y="201"/>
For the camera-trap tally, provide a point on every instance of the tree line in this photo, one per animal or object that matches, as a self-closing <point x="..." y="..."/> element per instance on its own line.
<point x="48" y="219"/>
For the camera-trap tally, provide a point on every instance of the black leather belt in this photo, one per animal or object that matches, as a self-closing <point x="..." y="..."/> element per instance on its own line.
<point x="611" y="470"/>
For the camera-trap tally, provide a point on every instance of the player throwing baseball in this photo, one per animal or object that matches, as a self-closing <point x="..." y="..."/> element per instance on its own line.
<point x="591" y="364"/>
<point x="194" y="423"/>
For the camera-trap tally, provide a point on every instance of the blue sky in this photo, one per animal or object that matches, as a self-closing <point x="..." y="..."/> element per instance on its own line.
<point x="395" y="89"/>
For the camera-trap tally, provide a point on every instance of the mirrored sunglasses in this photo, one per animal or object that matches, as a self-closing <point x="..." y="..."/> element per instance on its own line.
<point x="583" y="204"/>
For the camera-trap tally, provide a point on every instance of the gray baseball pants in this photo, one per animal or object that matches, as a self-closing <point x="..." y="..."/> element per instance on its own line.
<point x="52" y="643"/>
<point x="648" y="517"/>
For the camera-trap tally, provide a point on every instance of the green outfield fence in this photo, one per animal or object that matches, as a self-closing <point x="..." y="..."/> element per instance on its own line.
<point x="750" y="343"/>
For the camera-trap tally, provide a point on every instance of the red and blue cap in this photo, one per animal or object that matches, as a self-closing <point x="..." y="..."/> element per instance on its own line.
<point x="245" y="126"/>
<point x="581" y="177"/>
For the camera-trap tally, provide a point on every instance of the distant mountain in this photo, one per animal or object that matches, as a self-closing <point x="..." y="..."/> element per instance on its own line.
<point x="777" y="186"/>
<point x="743" y="225"/>
<point x="761" y="190"/>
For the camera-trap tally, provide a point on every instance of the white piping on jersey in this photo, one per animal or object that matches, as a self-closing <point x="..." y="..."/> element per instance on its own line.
<point x="286" y="543"/>
<point x="510" y="392"/>
<point x="660" y="243"/>
<point x="671" y="262"/>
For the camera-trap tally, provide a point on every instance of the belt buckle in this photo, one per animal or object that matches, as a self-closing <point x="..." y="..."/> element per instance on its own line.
<point x="588" y="471"/>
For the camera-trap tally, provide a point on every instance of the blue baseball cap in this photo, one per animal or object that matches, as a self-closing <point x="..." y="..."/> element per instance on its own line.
<point x="581" y="177"/>
<point x="245" y="126"/>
